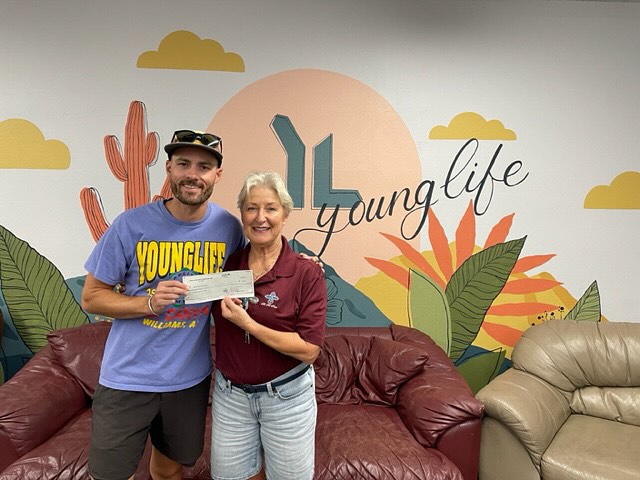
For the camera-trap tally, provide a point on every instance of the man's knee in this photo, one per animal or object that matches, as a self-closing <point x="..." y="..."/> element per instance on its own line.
<point x="165" y="472"/>
<point x="162" y="467"/>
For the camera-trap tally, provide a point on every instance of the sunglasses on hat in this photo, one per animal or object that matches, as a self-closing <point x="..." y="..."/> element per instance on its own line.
<point x="209" y="141"/>
<point x="189" y="136"/>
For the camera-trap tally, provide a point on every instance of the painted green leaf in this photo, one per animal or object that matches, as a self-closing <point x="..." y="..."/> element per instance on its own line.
<point x="588" y="307"/>
<point x="429" y="310"/>
<point x="473" y="288"/>
<point x="1" y="374"/>
<point x="36" y="294"/>
<point x="480" y="369"/>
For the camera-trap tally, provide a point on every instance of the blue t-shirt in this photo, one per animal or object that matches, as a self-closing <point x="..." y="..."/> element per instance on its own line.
<point x="143" y="246"/>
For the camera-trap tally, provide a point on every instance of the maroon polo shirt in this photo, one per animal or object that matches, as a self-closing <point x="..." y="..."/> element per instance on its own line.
<point x="292" y="297"/>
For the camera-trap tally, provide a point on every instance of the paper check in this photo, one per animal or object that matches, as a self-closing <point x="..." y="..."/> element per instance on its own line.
<point x="214" y="286"/>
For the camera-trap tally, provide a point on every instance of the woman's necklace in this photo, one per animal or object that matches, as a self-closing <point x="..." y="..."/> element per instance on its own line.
<point x="271" y="262"/>
<point x="260" y="274"/>
<point x="257" y="275"/>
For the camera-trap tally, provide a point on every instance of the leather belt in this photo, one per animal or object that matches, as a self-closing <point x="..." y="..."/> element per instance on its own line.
<point x="264" y="387"/>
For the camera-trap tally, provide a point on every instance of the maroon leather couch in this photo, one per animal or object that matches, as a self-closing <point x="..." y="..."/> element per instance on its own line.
<point x="390" y="406"/>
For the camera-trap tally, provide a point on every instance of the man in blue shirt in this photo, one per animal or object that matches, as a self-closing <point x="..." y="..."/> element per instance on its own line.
<point x="156" y="370"/>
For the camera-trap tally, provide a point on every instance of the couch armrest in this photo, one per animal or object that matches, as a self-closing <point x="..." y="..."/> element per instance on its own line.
<point x="35" y="403"/>
<point x="434" y="401"/>
<point x="531" y="408"/>
<point x="439" y="409"/>
<point x="461" y="445"/>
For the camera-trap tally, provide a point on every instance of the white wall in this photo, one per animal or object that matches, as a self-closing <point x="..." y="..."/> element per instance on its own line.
<point x="563" y="75"/>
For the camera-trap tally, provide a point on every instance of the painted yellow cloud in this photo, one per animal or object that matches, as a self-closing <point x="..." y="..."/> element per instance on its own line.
<point x="623" y="193"/>
<point x="468" y="125"/>
<point x="185" y="50"/>
<point x="22" y="145"/>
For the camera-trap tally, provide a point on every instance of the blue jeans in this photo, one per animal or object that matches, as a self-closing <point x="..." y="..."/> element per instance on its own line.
<point x="279" y="424"/>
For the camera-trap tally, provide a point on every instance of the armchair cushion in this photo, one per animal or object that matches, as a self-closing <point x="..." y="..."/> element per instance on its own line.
<point x="613" y="403"/>
<point x="590" y="447"/>
<point x="354" y="370"/>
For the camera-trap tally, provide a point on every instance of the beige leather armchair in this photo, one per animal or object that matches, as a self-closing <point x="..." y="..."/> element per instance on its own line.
<point x="569" y="408"/>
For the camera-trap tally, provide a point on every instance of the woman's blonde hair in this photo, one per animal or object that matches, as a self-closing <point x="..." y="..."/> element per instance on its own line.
<point x="270" y="180"/>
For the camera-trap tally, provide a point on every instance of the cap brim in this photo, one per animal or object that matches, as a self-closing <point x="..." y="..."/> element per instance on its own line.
<point x="171" y="147"/>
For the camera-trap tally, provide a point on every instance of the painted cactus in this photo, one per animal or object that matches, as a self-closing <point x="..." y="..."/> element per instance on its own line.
<point x="130" y="167"/>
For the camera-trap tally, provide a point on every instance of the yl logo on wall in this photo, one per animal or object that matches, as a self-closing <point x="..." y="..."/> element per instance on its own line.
<point x="349" y="161"/>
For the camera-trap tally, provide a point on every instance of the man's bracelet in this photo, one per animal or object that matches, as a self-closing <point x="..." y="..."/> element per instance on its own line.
<point x="150" y="307"/>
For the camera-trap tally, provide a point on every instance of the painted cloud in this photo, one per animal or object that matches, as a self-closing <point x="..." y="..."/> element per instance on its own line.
<point x="622" y="193"/>
<point x="183" y="50"/>
<point x="22" y="145"/>
<point x="468" y="125"/>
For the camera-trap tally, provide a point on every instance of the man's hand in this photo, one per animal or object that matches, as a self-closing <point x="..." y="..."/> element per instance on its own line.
<point x="313" y="259"/>
<point x="167" y="293"/>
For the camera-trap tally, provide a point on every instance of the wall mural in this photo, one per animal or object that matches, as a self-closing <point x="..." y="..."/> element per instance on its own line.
<point x="361" y="202"/>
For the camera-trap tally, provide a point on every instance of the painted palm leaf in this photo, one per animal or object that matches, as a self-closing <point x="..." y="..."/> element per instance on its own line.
<point x="473" y="288"/>
<point x="588" y="307"/>
<point x="36" y="294"/>
<point x="480" y="369"/>
<point x="428" y="309"/>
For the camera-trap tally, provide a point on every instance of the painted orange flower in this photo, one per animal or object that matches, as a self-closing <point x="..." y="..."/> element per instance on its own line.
<point x="519" y="298"/>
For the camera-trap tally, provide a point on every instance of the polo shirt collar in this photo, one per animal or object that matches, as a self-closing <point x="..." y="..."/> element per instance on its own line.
<point x="285" y="266"/>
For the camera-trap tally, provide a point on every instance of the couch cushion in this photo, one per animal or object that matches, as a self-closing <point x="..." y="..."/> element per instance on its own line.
<point x="370" y="442"/>
<point x="79" y="350"/>
<point x="64" y="455"/>
<point x="336" y="369"/>
<point x="352" y="369"/>
<point x="613" y="403"/>
<point x="36" y="402"/>
<point x="590" y="447"/>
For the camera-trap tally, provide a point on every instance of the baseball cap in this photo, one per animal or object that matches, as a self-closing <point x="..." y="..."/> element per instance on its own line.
<point x="194" y="138"/>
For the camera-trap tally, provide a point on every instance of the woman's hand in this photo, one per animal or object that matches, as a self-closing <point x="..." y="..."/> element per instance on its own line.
<point x="288" y="343"/>
<point x="232" y="310"/>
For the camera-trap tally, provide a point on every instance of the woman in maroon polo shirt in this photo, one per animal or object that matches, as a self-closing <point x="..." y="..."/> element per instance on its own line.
<point x="264" y="406"/>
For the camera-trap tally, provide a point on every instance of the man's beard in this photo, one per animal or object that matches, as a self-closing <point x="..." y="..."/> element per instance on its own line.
<point x="190" y="200"/>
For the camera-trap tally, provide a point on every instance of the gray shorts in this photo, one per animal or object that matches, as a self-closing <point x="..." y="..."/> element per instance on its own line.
<point x="122" y="420"/>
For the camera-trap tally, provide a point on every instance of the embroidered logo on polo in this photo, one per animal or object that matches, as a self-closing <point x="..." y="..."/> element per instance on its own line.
<point x="271" y="299"/>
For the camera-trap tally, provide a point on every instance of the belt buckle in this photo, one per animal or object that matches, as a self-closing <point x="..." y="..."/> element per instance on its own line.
<point x="247" y="388"/>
